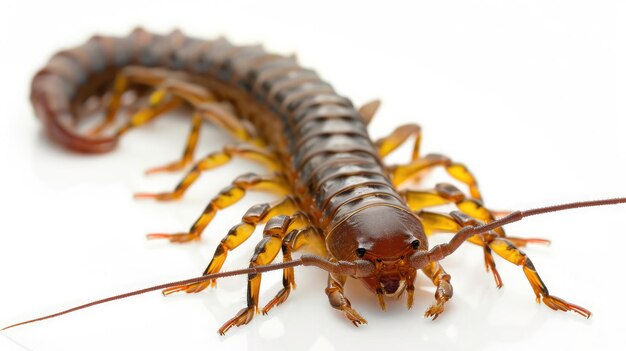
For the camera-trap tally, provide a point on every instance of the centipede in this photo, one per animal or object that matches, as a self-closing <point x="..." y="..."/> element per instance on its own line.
<point x="341" y="207"/>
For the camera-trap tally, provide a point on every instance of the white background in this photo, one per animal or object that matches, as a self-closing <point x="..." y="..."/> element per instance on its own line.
<point x="529" y="94"/>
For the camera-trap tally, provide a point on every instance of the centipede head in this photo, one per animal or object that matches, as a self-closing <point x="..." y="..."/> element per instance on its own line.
<point x="387" y="237"/>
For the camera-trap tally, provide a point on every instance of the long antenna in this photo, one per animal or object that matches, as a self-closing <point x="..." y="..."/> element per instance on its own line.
<point x="438" y="252"/>
<point x="359" y="268"/>
<point x="258" y="269"/>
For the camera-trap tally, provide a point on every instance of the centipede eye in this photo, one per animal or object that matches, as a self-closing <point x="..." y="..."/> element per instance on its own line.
<point x="415" y="244"/>
<point x="360" y="252"/>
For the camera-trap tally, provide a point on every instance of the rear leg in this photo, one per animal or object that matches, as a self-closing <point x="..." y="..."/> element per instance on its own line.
<point x="148" y="114"/>
<point x="214" y="160"/>
<point x="217" y="114"/>
<point x="227" y="197"/>
<point x="171" y="90"/>
<point x="190" y="147"/>
<point x="206" y="107"/>
<point x="511" y="253"/>
<point x="127" y="78"/>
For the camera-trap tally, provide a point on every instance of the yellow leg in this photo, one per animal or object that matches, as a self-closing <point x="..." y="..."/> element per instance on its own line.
<point x="190" y="147"/>
<point x="206" y="107"/>
<point x="213" y="160"/>
<point x="148" y="114"/>
<point x="511" y="253"/>
<point x="128" y="77"/>
<point x="228" y="196"/>
<point x="236" y="236"/>
<point x="293" y="242"/>
<point x="434" y="222"/>
<point x="400" y="135"/>
<point x="221" y="115"/>
<point x="265" y="252"/>
<point x="402" y="173"/>
<point x="174" y="87"/>
<point x="444" y="194"/>
<point x="441" y="279"/>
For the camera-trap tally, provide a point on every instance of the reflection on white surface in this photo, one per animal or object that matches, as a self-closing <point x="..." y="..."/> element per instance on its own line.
<point x="529" y="95"/>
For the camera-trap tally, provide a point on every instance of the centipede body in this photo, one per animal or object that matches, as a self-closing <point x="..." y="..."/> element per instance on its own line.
<point x="219" y="234"/>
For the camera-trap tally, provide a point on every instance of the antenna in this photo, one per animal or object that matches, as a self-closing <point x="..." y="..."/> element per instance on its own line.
<point x="359" y="268"/>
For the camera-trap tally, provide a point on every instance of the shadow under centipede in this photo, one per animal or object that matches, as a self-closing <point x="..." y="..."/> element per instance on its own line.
<point x="457" y="329"/>
<point x="466" y="324"/>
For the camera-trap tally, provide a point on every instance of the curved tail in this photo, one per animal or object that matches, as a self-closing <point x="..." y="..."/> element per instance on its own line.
<point x="52" y="104"/>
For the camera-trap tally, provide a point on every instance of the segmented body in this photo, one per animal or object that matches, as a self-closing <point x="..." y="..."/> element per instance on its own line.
<point x="317" y="143"/>
<point x="319" y="136"/>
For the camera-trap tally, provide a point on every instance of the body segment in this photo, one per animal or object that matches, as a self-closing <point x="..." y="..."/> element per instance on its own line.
<point x="339" y="198"/>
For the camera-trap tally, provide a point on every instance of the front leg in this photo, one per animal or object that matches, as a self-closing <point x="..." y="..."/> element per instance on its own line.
<point x="441" y="279"/>
<point x="334" y="290"/>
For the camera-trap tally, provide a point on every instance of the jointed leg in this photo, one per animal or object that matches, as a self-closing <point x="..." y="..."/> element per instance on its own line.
<point x="169" y="86"/>
<point x="129" y="76"/>
<point x="511" y="253"/>
<point x="441" y="279"/>
<point x="148" y="114"/>
<point x="206" y="107"/>
<point x="337" y="300"/>
<point x="410" y="289"/>
<point x="205" y="103"/>
<point x="451" y="223"/>
<point x="458" y="171"/>
<point x="295" y="240"/>
<point x="213" y="160"/>
<point x="264" y="253"/>
<point x="190" y="147"/>
<point x="228" y="196"/>
<point x="236" y="236"/>
<point x="388" y="144"/>
<point x="448" y="194"/>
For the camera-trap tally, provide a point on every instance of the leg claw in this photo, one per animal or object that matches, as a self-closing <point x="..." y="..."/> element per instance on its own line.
<point x="172" y="167"/>
<point x="559" y="304"/>
<point x="243" y="317"/>
<point x="282" y="295"/>
<point x="434" y="311"/>
<point x="354" y="316"/>
<point x="175" y="238"/>
<point x="157" y="196"/>
<point x="190" y="289"/>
